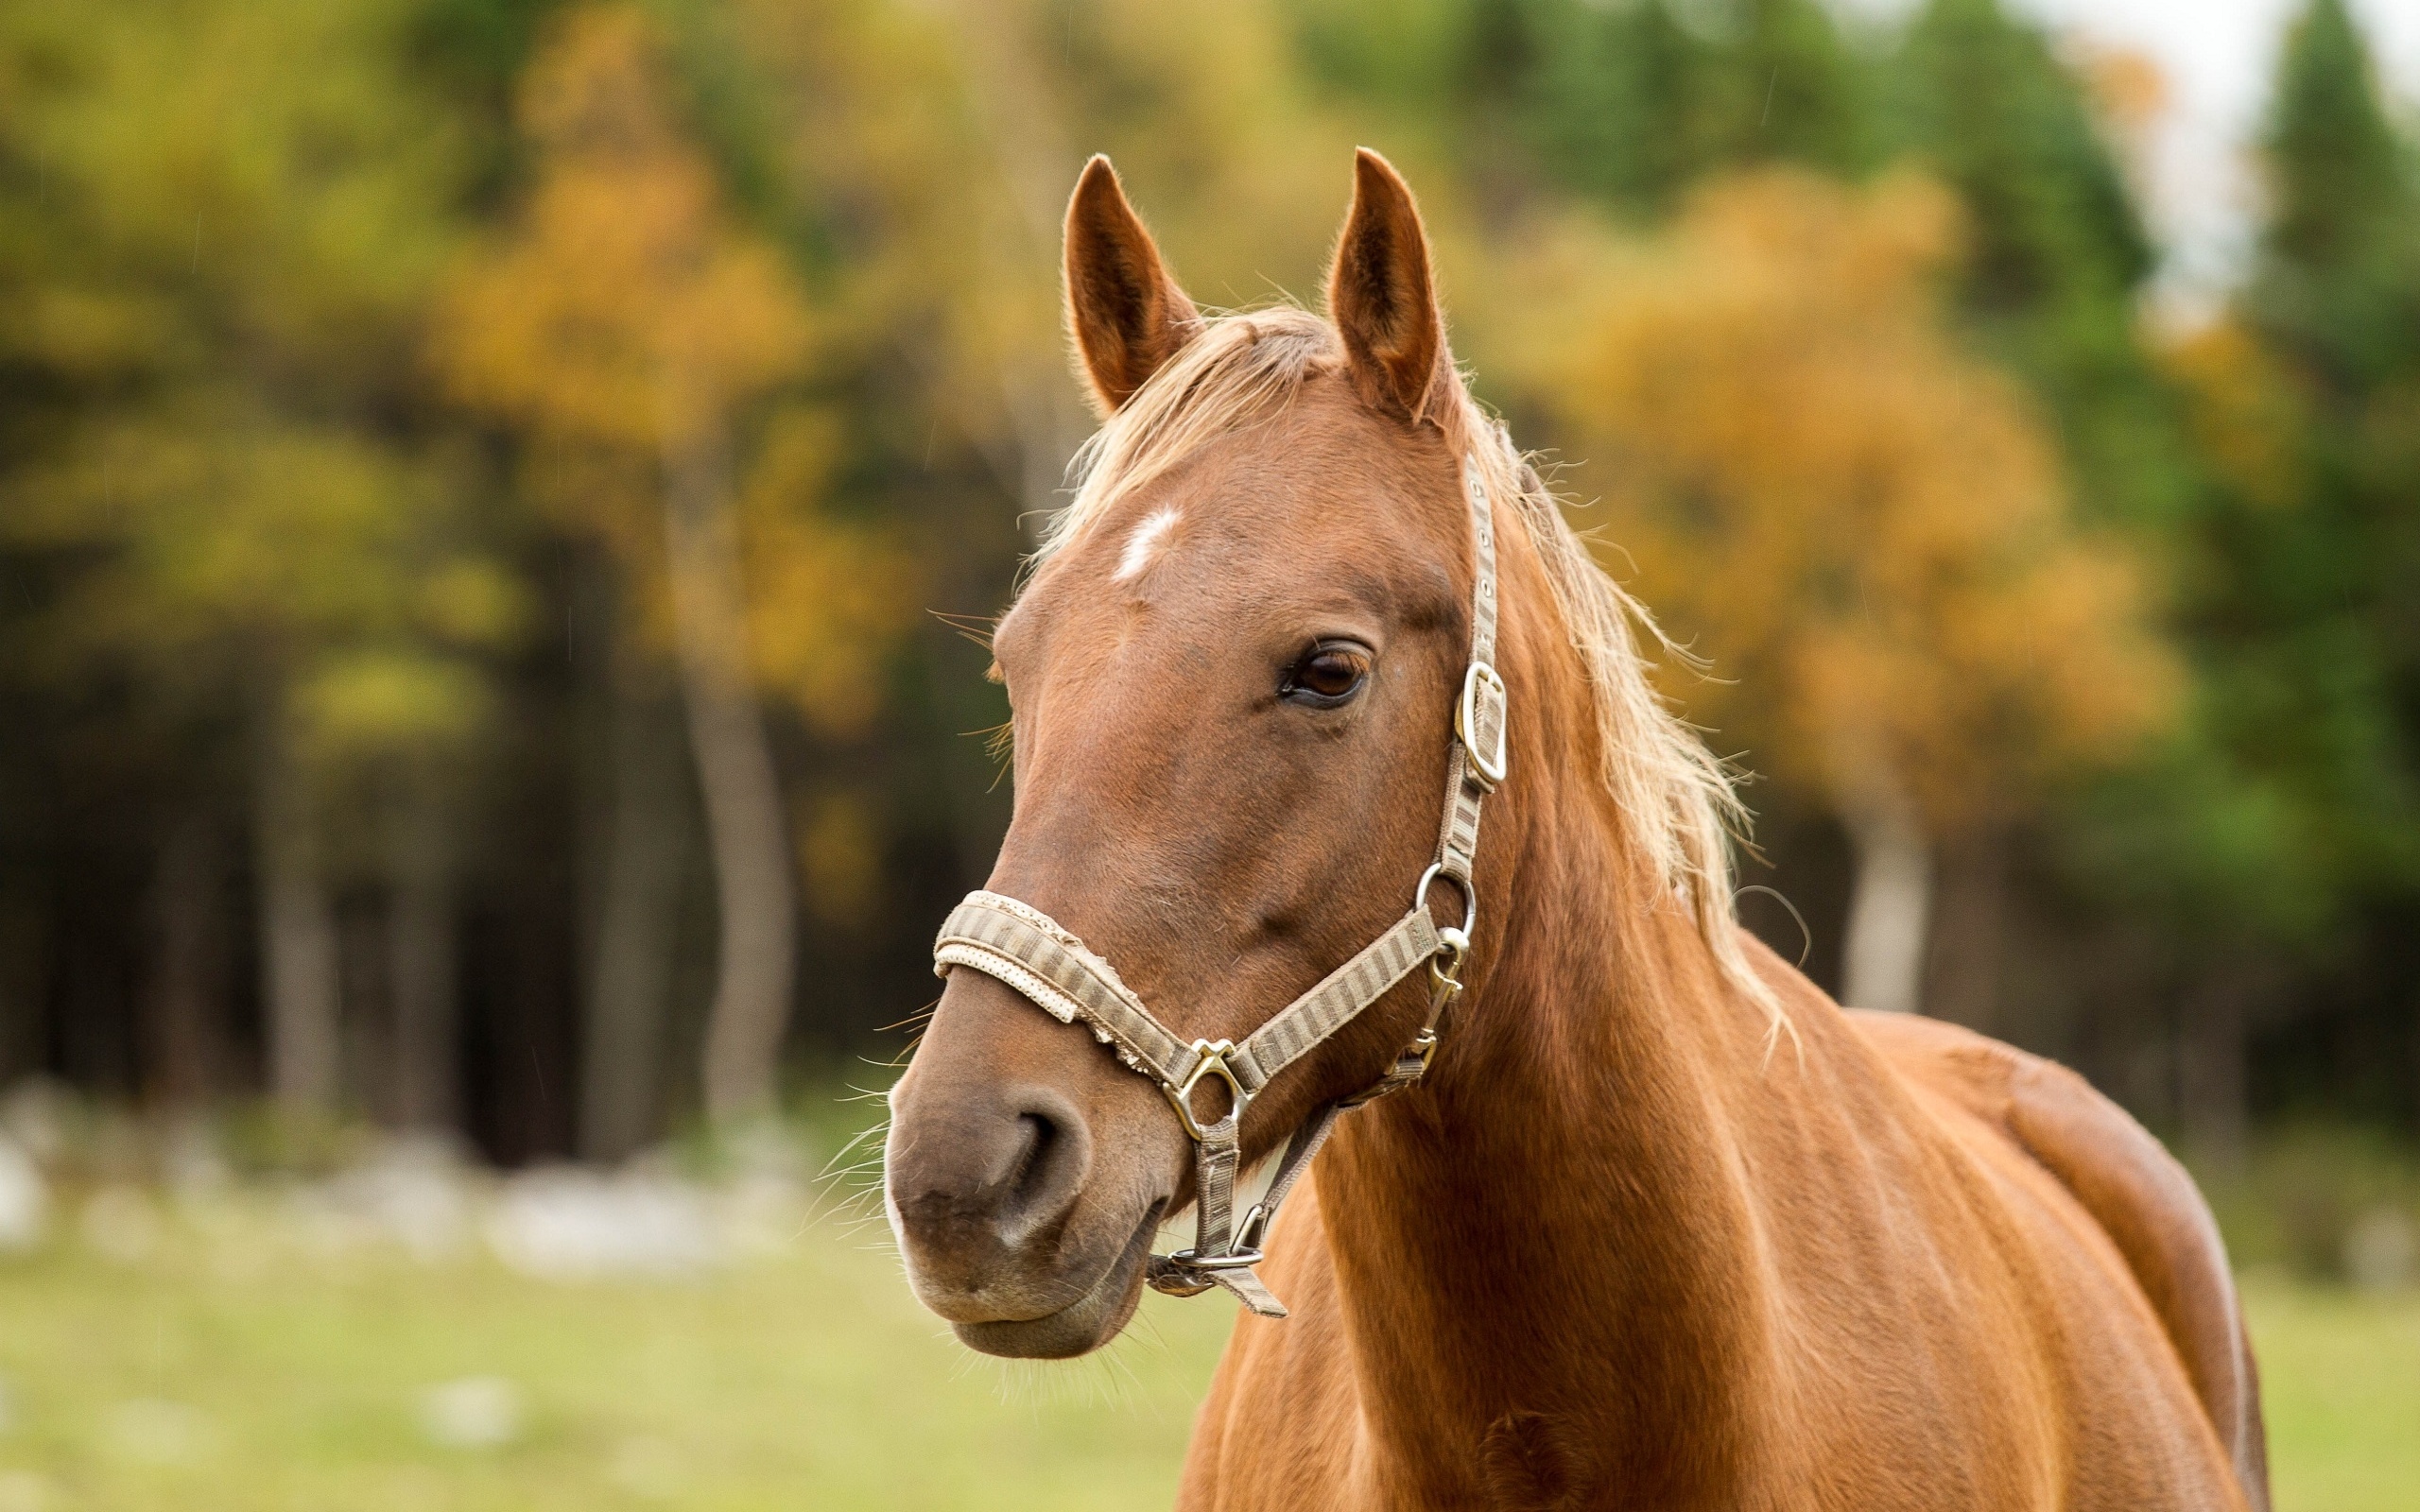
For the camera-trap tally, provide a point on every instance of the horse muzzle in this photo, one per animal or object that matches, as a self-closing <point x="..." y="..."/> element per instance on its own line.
<point x="1014" y="1228"/>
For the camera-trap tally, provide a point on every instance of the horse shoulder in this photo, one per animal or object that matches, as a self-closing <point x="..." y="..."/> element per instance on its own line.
<point x="2132" y="1191"/>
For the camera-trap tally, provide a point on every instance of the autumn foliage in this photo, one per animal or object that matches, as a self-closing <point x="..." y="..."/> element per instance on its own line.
<point x="628" y="317"/>
<point x="473" y="478"/>
<point x="1865" y="530"/>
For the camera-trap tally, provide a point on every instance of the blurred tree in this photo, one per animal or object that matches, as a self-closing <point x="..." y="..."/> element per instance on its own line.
<point x="626" y="324"/>
<point x="927" y="161"/>
<point x="2335" y="285"/>
<point x="1635" y="103"/>
<point x="2258" y="844"/>
<point x="1626" y="104"/>
<point x="1980" y="95"/>
<point x="1869" y="530"/>
<point x="233" y="513"/>
<point x="2337" y="293"/>
<point x="772" y="293"/>
<point x="2059" y="255"/>
<point x="2296" y="852"/>
<point x="1199" y="108"/>
<point x="285" y="568"/>
<point x="2034" y="140"/>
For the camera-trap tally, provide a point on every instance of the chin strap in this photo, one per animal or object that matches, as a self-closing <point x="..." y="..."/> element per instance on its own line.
<point x="1040" y="959"/>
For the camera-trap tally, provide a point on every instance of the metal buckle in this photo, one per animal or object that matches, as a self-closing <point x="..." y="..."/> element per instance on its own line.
<point x="1213" y="1054"/>
<point x="1490" y="764"/>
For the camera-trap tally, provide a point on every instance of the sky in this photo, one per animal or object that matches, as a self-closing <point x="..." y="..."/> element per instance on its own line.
<point x="2216" y="57"/>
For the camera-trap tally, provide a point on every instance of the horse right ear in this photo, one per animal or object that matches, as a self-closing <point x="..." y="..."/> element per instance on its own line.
<point x="1127" y="315"/>
<point x="1382" y="298"/>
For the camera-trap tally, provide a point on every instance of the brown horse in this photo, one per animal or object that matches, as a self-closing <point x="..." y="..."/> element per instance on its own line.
<point x="1662" y="1226"/>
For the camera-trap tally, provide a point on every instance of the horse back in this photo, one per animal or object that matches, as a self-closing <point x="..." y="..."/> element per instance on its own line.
<point x="2128" y="1184"/>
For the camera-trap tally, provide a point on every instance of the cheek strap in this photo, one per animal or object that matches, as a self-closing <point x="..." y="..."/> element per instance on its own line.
<point x="1044" y="962"/>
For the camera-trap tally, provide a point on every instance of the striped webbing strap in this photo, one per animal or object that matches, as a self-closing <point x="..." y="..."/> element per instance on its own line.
<point x="1044" y="962"/>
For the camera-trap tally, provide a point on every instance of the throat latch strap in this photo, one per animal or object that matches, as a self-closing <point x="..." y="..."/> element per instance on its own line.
<point x="1043" y="961"/>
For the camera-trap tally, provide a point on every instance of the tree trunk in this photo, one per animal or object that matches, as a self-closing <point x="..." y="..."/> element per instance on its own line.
<point x="747" y="825"/>
<point x="298" y="928"/>
<point x="636" y="916"/>
<point x="1890" y="900"/>
<point x="423" y="952"/>
<point x="180" y="1047"/>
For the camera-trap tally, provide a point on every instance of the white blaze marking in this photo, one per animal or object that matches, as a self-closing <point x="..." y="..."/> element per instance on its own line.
<point x="1145" y="543"/>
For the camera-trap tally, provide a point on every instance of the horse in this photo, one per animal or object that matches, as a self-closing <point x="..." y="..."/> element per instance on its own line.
<point x="1651" y="1222"/>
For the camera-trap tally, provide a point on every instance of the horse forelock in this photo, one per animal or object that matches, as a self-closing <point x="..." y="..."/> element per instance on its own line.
<point x="1679" y="800"/>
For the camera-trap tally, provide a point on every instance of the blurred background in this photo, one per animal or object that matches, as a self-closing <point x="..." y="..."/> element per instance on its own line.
<point x="500" y="501"/>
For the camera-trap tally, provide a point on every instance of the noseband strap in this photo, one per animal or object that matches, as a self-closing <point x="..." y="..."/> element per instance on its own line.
<point x="1043" y="961"/>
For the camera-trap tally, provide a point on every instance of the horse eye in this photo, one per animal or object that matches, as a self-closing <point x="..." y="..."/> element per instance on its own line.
<point x="1328" y="676"/>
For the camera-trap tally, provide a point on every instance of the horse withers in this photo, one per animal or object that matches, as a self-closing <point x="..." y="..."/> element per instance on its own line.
<point x="1648" y="1221"/>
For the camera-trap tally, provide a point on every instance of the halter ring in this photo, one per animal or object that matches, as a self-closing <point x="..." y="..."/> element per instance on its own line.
<point x="1470" y="898"/>
<point x="1213" y="1055"/>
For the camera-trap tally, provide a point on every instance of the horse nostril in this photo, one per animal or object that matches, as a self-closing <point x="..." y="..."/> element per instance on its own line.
<point x="1035" y="1132"/>
<point x="976" y="1179"/>
<point x="1051" y="1160"/>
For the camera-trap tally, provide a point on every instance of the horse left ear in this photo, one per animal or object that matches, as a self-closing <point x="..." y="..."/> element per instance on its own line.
<point x="1382" y="298"/>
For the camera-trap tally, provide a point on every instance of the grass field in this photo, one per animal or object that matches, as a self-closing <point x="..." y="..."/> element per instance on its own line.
<point x="225" y="1364"/>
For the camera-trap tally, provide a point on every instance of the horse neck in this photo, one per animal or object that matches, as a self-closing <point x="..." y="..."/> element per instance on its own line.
<point x="1546" y="1250"/>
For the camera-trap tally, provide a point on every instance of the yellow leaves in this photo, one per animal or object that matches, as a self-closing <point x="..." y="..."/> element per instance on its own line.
<point x="626" y="311"/>
<point x="622" y="298"/>
<point x="224" y="541"/>
<point x="1865" y="528"/>
<point x="240" y="214"/>
<point x="473" y="603"/>
<point x="219" y="516"/>
<point x="271" y="166"/>
<point x="88" y="334"/>
<point x="622" y="324"/>
<point x="824" y="598"/>
<point x="823" y="602"/>
<point x="2245" y="415"/>
<point x="598" y="93"/>
<point x="363" y="704"/>
<point x="1242" y="169"/>
<point x="271" y="516"/>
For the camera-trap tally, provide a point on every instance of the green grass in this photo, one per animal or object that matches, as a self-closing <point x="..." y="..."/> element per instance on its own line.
<point x="2340" y="1376"/>
<point x="804" y="1380"/>
<point x="240" y="1365"/>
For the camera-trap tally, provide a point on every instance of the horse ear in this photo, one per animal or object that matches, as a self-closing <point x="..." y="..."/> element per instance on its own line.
<point x="1382" y="298"/>
<point x="1127" y="315"/>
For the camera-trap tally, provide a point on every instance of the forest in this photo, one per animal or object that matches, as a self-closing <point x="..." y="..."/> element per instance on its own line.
<point x="500" y="503"/>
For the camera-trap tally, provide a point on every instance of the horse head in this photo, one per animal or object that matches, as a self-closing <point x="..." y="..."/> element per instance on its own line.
<point x="1232" y="676"/>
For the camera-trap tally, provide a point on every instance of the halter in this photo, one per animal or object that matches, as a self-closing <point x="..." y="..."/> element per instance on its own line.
<point x="1041" y="960"/>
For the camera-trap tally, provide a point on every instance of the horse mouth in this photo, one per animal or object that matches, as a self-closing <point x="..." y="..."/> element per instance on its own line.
<point x="1084" y="1324"/>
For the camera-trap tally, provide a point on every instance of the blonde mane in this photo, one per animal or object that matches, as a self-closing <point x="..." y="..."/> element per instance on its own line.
<point x="1678" y="797"/>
